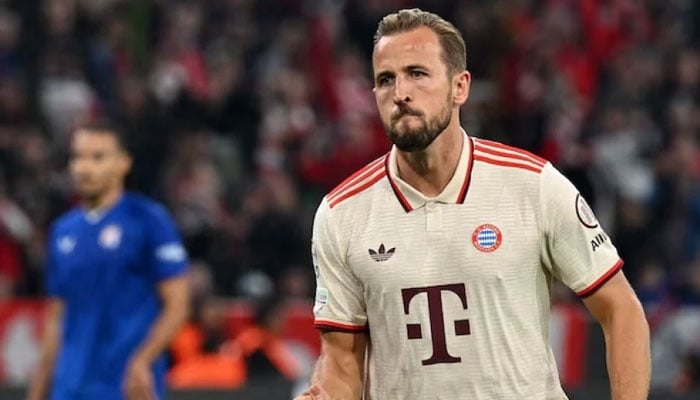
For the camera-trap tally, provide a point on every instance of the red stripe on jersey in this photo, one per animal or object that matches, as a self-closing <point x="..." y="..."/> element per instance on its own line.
<point x="468" y="175"/>
<point x="519" y="157"/>
<point x="600" y="281"/>
<point x="525" y="153"/>
<point x="351" y="188"/>
<point x="336" y="326"/>
<point x="357" y="176"/>
<point x="402" y="199"/>
<point x="359" y="181"/>
<point x="356" y="189"/>
<point x="514" y="164"/>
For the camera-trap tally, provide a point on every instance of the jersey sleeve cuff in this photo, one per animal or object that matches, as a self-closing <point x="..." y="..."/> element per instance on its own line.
<point x="326" y="325"/>
<point x="598" y="283"/>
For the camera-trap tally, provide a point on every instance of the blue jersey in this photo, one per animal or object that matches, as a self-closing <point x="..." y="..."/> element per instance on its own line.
<point x="106" y="268"/>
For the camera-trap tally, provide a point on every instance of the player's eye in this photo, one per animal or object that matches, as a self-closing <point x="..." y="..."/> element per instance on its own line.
<point x="416" y="73"/>
<point x="384" y="80"/>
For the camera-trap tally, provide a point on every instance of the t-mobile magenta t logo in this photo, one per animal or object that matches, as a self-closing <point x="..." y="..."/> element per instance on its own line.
<point x="437" y="320"/>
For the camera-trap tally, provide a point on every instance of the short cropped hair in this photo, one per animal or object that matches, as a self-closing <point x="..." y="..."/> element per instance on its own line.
<point x="105" y="127"/>
<point x="454" y="50"/>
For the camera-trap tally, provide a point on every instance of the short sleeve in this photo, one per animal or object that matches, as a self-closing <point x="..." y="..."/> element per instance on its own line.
<point x="167" y="253"/>
<point x="339" y="304"/>
<point x="578" y="251"/>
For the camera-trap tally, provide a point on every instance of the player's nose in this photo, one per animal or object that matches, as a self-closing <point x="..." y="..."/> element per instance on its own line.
<point x="401" y="91"/>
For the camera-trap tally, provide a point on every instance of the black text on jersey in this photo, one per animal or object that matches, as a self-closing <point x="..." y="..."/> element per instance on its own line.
<point x="598" y="241"/>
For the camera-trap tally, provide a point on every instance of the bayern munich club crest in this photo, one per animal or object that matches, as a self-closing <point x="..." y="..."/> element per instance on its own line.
<point x="487" y="238"/>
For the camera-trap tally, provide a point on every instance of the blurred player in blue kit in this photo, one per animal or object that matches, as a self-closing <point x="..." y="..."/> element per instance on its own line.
<point x="116" y="282"/>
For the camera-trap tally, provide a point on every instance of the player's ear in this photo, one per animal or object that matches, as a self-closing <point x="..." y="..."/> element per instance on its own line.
<point x="461" y="82"/>
<point x="125" y="162"/>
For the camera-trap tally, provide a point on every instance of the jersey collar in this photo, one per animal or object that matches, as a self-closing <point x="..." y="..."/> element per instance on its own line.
<point x="97" y="215"/>
<point x="454" y="193"/>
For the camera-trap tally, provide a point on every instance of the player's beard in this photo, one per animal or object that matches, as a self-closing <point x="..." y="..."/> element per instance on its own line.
<point x="92" y="190"/>
<point x="419" y="138"/>
<point x="92" y="197"/>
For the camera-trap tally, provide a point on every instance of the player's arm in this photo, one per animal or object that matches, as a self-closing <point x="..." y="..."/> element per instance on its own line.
<point x="174" y="294"/>
<point x="339" y="313"/>
<point x="167" y="267"/>
<point x="581" y="255"/>
<point x="626" y="331"/>
<point x="41" y="382"/>
<point x="339" y="370"/>
<point x="175" y="299"/>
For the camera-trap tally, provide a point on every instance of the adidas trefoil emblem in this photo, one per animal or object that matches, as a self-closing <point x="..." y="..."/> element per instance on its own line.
<point x="382" y="254"/>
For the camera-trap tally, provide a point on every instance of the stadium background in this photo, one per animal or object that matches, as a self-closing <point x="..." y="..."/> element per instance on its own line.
<point x="241" y="114"/>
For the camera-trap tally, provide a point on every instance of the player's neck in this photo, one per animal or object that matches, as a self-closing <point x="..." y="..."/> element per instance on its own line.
<point x="103" y="201"/>
<point x="429" y="171"/>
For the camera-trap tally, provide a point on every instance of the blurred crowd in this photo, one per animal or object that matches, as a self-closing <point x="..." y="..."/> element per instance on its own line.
<point x="241" y="114"/>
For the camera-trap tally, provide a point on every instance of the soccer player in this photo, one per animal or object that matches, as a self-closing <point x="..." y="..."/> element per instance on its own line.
<point x="116" y="283"/>
<point x="434" y="263"/>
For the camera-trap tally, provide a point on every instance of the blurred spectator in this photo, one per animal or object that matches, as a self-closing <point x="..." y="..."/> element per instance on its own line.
<point x="263" y="347"/>
<point x="11" y="61"/>
<point x="275" y="240"/>
<point x="15" y="230"/>
<point x="65" y="94"/>
<point x="689" y="377"/>
<point x="202" y="358"/>
<point x="146" y="132"/>
<point x="205" y="354"/>
<point x="676" y="342"/>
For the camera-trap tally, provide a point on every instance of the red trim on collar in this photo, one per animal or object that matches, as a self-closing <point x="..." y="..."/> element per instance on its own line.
<point x="468" y="175"/>
<point x="402" y="199"/>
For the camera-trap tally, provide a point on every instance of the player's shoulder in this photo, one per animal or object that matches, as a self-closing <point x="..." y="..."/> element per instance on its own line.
<point x="144" y="207"/>
<point x="507" y="158"/>
<point x="360" y="182"/>
<point x="68" y="219"/>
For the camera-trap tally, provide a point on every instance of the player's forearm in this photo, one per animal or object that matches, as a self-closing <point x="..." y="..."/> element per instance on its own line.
<point x="41" y="381"/>
<point x="342" y="379"/>
<point x="51" y="342"/>
<point x="161" y="334"/>
<point x="628" y="354"/>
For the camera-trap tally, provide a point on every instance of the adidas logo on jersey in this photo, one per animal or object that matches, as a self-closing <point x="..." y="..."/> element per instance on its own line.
<point x="382" y="254"/>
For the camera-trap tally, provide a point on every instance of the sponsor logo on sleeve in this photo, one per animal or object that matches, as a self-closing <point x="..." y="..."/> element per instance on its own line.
<point x="585" y="213"/>
<point x="598" y="241"/>
<point x="171" y="252"/>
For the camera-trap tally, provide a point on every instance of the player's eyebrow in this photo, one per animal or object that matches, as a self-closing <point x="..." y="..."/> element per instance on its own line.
<point x="407" y="68"/>
<point x="412" y="67"/>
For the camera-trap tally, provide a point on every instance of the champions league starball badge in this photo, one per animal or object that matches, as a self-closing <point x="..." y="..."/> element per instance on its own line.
<point x="585" y="213"/>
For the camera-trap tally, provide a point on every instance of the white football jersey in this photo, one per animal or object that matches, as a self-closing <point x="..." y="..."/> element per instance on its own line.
<point x="454" y="291"/>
